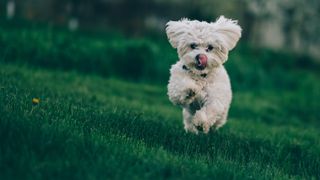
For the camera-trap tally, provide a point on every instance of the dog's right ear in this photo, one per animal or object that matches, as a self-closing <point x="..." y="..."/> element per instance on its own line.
<point x="175" y="30"/>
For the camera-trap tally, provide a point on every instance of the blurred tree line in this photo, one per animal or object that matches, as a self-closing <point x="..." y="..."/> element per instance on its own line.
<point x="287" y="24"/>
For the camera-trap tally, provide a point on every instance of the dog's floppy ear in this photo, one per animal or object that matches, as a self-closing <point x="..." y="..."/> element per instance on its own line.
<point x="175" y="30"/>
<point x="228" y="32"/>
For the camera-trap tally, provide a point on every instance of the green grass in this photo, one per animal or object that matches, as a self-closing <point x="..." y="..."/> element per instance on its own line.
<point x="92" y="124"/>
<point x="89" y="127"/>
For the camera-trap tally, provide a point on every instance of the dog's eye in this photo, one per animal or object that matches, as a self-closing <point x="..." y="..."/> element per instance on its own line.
<point x="210" y="47"/>
<point x="193" y="45"/>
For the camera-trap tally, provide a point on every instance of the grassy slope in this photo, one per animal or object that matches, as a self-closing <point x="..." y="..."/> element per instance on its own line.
<point x="87" y="126"/>
<point x="90" y="127"/>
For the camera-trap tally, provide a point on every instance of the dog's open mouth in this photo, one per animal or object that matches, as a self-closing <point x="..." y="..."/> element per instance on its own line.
<point x="201" y="65"/>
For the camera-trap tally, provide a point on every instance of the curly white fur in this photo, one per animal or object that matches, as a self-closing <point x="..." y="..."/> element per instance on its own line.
<point x="204" y="92"/>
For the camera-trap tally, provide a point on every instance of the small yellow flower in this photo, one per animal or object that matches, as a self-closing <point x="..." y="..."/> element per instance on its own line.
<point x="35" y="101"/>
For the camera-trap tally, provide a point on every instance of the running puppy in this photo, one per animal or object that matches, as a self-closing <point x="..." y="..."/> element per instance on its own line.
<point x="199" y="82"/>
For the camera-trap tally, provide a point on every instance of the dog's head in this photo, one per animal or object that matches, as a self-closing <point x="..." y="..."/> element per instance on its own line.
<point x="202" y="45"/>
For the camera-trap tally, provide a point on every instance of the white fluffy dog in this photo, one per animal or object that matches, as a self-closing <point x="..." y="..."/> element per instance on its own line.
<point x="199" y="83"/>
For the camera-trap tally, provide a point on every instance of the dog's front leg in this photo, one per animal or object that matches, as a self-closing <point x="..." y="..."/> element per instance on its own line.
<point x="182" y="90"/>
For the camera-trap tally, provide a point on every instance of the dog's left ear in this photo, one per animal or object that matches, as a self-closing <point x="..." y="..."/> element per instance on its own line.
<point x="228" y="32"/>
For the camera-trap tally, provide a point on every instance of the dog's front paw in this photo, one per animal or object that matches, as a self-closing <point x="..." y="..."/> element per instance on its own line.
<point x="188" y="97"/>
<point x="190" y="94"/>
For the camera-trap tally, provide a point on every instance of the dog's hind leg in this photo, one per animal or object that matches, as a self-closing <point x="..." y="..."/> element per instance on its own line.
<point x="222" y="120"/>
<point x="201" y="121"/>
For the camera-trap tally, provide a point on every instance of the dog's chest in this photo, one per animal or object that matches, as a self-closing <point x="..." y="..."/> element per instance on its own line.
<point x="201" y="82"/>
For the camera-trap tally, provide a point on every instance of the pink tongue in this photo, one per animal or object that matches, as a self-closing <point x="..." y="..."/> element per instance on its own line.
<point x="203" y="60"/>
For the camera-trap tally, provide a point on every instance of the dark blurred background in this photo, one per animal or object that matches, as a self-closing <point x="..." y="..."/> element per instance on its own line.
<point x="289" y="24"/>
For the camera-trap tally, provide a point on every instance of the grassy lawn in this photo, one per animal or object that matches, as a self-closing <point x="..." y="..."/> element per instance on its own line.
<point x="97" y="126"/>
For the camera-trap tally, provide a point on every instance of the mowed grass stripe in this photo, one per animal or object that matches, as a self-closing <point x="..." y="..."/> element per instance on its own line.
<point x="279" y="107"/>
